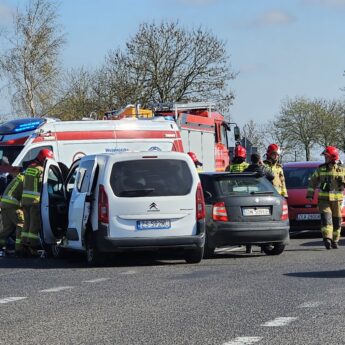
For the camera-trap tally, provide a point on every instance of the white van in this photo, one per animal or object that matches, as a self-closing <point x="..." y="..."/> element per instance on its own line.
<point x="114" y="202"/>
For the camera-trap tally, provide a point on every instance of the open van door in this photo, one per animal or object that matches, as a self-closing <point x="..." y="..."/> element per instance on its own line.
<point x="80" y="202"/>
<point x="53" y="204"/>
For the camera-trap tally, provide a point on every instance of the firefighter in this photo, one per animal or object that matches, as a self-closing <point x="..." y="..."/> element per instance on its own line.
<point x="195" y="160"/>
<point x="32" y="184"/>
<point x="272" y="162"/>
<point x="239" y="162"/>
<point x="330" y="177"/>
<point x="11" y="213"/>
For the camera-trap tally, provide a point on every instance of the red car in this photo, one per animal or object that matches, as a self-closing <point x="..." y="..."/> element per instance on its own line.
<point x="303" y="215"/>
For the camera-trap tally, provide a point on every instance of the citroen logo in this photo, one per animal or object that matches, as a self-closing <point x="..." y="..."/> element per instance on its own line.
<point x="153" y="206"/>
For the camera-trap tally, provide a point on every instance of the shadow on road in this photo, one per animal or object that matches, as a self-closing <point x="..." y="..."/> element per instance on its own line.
<point x="318" y="274"/>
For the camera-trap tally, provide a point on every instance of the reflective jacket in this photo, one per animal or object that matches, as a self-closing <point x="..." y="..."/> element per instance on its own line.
<point x="32" y="184"/>
<point x="238" y="167"/>
<point x="13" y="193"/>
<point x="331" y="179"/>
<point x="279" y="179"/>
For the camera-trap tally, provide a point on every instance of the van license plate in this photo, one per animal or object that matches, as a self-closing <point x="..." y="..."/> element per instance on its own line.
<point x="263" y="211"/>
<point x="153" y="224"/>
<point x="309" y="216"/>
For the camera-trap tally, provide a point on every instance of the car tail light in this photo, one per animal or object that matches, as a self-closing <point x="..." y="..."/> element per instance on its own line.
<point x="219" y="212"/>
<point x="285" y="212"/>
<point x="200" y="203"/>
<point x="103" y="205"/>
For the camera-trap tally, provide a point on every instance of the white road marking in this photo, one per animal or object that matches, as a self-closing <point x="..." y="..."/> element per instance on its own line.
<point x="310" y="305"/>
<point x="58" y="288"/>
<point x="243" y="341"/>
<point x="128" y="272"/>
<point x="95" y="280"/>
<point x="11" y="299"/>
<point x="279" y="321"/>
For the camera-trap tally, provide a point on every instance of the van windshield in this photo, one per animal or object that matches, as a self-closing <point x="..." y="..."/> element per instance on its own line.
<point x="151" y="177"/>
<point x="298" y="177"/>
<point x="11" y="152"/>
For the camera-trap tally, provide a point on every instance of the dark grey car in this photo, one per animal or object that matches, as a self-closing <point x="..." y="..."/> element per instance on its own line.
<point x="244" y="209"/>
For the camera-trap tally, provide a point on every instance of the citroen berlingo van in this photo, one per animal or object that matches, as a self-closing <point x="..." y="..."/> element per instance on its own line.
<point x="117" y="202"/>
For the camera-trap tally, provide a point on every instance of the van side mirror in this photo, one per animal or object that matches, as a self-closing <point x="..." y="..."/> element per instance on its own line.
<point x="237" y="133"/>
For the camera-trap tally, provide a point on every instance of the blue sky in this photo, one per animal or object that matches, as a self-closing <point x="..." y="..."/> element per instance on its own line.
<point x="281" y="48"/>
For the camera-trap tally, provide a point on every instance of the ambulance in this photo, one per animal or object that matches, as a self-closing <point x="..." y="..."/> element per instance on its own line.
<point x="22" y="139"/>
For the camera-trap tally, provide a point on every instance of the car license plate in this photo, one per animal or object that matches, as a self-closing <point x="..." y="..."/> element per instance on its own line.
<point x="262" y="211"/>
<point x="153" y="224"/>
<point x="309" y="216"/>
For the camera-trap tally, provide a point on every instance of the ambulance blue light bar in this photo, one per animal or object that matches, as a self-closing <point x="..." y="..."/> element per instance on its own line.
<point x="20" y="125"/>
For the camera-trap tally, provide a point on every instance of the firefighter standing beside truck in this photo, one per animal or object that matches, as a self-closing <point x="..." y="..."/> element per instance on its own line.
<point x="272" y="162"/>
<point x="239" y="162"/>
<point x="11" y="213"/>
<point x="330" y="177"/>
<point x="32" y="186"/>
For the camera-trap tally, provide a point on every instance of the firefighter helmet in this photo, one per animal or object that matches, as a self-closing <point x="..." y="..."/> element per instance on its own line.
<point x="240" y="151"/>
<point x="273" y="148"/>
<point x="332" y="152"/>
<point x="44" y="154"/>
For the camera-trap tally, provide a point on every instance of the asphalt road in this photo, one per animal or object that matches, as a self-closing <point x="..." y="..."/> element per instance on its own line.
<point x="233" y="299"/>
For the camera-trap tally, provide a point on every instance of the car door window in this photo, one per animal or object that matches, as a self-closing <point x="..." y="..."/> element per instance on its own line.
<point x="55" y="184"/>
<point x="84" y="175"/>
<point x="32" y="154"/>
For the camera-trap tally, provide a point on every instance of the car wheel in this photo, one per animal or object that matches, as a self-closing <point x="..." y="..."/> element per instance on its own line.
<point x="273" y="249"/>
<point x="54" y="251"/>
<point x="93" y="256"/>
<point x="194" y="256"/>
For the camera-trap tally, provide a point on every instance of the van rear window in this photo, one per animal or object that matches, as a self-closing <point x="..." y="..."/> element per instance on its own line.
<point x="151" y="177"/>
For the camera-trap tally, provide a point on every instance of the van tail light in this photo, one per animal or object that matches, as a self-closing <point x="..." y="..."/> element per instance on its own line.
<point x="219" y="212"/>
<point x="103" y="205"/>
<point x="285" y="212"/>
<point x="200" y="203"/>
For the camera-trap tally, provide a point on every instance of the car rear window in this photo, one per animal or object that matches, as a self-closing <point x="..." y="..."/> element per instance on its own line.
<point x="151" y="177"/>
<point x="244" y="185"/>
<point x="298" y="177"/>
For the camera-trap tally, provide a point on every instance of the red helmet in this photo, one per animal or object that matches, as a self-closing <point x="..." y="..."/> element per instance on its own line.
<point x="193" y="156"/>
<point x="240" y="151"/>
<point x="44" y="154"/>
<point x="332" y="152"/>
<point x="273" y="148"/>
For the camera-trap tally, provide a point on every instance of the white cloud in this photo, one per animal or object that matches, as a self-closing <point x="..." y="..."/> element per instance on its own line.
<point x="5" y="12"/>
<point x="273" y="18"/>
<point x="329" y="3"/>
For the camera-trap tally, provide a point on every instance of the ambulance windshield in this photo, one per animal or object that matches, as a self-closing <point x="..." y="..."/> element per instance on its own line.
<point x="11" y="152"/>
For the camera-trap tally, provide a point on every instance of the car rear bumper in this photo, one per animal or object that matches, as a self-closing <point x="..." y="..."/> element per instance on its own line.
<point x="232" y="233"/>
<point x="108" y="244"/>
<point x="299" y="225"/>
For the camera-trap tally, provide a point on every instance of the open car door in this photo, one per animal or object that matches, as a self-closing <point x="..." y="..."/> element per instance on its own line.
<point x="80" y="201"/>
<point x="53" y="204"/>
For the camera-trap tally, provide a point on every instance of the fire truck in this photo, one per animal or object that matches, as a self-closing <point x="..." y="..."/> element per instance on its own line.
<point x="204" y="131"/>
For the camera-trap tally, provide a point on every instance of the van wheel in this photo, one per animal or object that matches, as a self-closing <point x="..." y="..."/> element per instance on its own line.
<point x="273" y="249"/>
<point x="194" y="256"/>
<point x="93" y="256"/>
<point x="54" y="251"/>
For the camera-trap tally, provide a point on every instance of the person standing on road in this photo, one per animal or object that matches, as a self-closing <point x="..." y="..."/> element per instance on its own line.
<point x="239" y="162"/>
<point x="330" y="176"/>
<point x="258" y="167"/>
<point x="11" y="213"/>
<point x="32" y="186"/>
<point x="272" y="162"/>
<point x="197" y="163"/>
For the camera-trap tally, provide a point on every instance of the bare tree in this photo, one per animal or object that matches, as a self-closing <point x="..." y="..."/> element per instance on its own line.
<point x="165" y="63"/>
<point x="255" y="134"/>
<point x="31" y="62"/>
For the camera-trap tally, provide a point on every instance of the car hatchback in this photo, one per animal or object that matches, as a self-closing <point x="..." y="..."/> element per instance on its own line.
<point x="244" y="209"/>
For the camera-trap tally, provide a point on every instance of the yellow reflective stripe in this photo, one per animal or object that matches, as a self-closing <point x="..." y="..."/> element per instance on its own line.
<point x="24" y="234"/>
<point x="29" y="196"/>
<point x="27" y="191"/>
<point x="18" y="241"/>
<point x="12" y="201"/>
<point x="29" y="235"/>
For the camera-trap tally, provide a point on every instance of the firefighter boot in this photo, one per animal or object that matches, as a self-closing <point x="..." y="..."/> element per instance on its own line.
<point x="335" y="244"/>
<point x="327" y="242"/>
